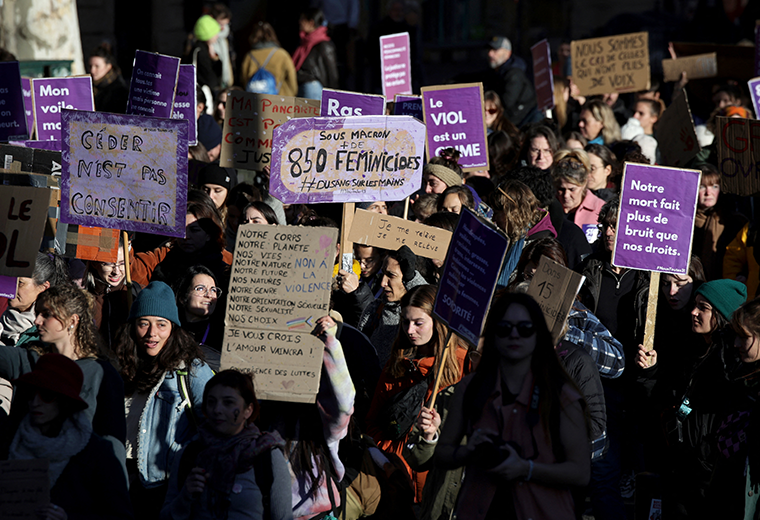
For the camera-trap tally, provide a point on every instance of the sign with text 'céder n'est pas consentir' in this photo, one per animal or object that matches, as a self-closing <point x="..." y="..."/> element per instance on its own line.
<point x="124" y="172"/>
<point x="454" y="119"/>
<point x="52" y="95"/>
<point x="472" y="267"/>
<point x="656" y="219"/>
<point x="611" y="64"/>
<point x="352" y="159"/>
<point x="279" y="287"/>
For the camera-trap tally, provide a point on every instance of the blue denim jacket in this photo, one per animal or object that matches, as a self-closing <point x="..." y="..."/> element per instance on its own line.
<point x="165" y="423"/>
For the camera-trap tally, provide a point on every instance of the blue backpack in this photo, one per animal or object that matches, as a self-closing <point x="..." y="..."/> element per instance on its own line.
<point x="263" y="82"/>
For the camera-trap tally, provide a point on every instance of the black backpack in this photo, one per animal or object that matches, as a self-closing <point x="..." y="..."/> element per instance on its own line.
<point x="402" y="410"/>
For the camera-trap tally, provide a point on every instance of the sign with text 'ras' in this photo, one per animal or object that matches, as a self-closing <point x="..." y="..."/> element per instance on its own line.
<point x="352" y="159"/>
<point x="52" y="95"/>
<point x="387" y="232"/>
<point x="279" y="287"/>
<point x="249" y="123"/>
<point x="656" y="219"/>
<point x="617" y="63"/>
<point x="124" y="172"/>
<point x="339" y="103"/>
<point x="454" y="119"/>
<point x="473" y="264"/>
<point x="739" y="155"/>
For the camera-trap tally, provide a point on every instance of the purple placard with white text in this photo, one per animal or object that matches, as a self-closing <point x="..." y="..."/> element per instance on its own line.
<point x="473" y="264"/>
<point x="339" y="103"/>
<point x="51" y="95"/>
<point x="8" y="287"/>
<point x="26" y="89"/>
<point x="185" y="102"/>
<point x="13" y="124"/>
<point x="408" y="106"/>
<point x="656" y="219"/>
<point x="754" y="91"/>
<point x="154" y="80"/>
<point x="543" y="78"/>
<point x="124" y="172"/>
<point x="395" y="64"/>
<point x="454" y="118"/>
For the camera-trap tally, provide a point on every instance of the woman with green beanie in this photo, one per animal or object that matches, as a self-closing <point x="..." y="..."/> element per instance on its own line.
<point x="164" y="375"/>
<point x="208" y="66"/>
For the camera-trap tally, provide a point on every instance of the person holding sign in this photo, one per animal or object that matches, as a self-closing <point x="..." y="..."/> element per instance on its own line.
<point x="518" y="410"/>
<point x="598" y="124"/>
<point x="408" y="379"/>
<point x="86" y="477"/>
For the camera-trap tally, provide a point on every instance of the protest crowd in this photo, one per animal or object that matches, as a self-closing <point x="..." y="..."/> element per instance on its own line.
<point x="535" y="298"/>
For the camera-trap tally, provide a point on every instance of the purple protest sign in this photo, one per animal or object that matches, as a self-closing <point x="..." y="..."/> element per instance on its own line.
<point x="124" y="172"/>
<point x="395" y="64"/>
<point x="656" y="219"/>
<point x="154" y="79"/>
<point x="352" y="159"/>
<point x="185" y="102"/>
<point x="55" y="146"/>
<point x="26" y="89"/>
<point x="408" y="106"/>
<point x="473" y="264"/>
<point x="757" y="49"/>
<point x="454" y="118"/>
<point x="8" y="286"/>
<point x="339" y="103"/>
<point x="13" y="124"/>
<point x="542" y="75"/>
<point x="51" y="95"/>
<point x="754" y="91"/>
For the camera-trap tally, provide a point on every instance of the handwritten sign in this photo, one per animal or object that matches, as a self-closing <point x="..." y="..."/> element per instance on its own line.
<point x="30" y="158"/>
<point x="542" y="75"/>
<point x="24" y="488"/>
<point x="554" y="287"/>
<point x="52" y="95"/>
<point x="352" y="159"/>
<point x="280" y="285"/>
<point x="185" y="102"/>
<point x="154" y="80"/>
<point x="738" y="155"/>
<point x="12" y="116"/>
<point x="754" y="91"/>
<point x="26" y="90"/>
<point x="395" y="64"/>
<point x="656" y="219"/>
<point x="469" y="277"/>
<point x="24" y="210"/>
<point x="249" y="123"/>
<point x="339" y="103"/>
<point x="454" y="118"/>
<point x="387" y="232"/>
<point x="695" y="67"/>
<point x="408" y="106"/>
<point x="611" y="64"/>
<point x="676" y="134"/>
<point x="124" y="172"/>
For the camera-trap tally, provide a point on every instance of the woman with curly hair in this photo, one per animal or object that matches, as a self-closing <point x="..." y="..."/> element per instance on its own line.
<point x="164" y="374"/>
<point x="581" y="206"/>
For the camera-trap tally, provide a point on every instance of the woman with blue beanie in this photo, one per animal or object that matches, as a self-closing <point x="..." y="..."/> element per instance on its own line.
<point x="164" y="375"/>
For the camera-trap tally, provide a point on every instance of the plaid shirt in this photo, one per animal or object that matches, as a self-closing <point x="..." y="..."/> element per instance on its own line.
<point x="586" y="331"/>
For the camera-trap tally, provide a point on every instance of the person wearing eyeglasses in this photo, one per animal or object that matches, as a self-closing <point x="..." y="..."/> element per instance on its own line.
<point x="527" y="433"/>
<point x="540" y="145"/>
<point x="201" y="311"/>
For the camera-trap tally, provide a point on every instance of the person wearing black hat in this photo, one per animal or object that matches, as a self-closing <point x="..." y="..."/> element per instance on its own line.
<point x="86" y="478"/>
<point x="217" y="183"/>
<point x="210" y="136"/>
<point x="517" y="94"/>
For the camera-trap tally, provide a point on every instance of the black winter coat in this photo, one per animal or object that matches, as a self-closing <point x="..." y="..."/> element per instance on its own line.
<point x="321" y="65"/>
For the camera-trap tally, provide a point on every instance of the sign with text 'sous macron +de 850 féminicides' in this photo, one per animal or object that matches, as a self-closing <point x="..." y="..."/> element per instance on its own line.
<point x="656" y="219"/>
<point x="279" y="287"/>
<point x="352" y="159"/>
<point x="124" y="172"/>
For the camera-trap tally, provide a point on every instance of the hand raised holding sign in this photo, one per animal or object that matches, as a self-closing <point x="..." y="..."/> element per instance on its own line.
<point x="428" y="422"/>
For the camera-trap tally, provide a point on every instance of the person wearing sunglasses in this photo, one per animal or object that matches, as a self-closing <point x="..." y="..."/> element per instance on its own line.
<point x="201" y="311"/>
<point x="86" y="478"/>
<point x="527" y="432"/>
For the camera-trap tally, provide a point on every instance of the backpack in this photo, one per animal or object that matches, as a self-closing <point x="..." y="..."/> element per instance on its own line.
<point x="263" y="81"/>
<point x="402" y="410"/>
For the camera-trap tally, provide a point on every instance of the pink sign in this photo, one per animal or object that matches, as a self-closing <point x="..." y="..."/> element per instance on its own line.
<point x="542" y="75"/>
<point x="395" y="66"/>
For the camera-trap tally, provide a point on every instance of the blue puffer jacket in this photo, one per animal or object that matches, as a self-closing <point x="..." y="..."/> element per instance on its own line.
<point x="165" y="423"/>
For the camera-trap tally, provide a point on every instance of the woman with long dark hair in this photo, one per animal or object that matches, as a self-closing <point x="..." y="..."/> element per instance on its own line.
<point x="315" y="59"/>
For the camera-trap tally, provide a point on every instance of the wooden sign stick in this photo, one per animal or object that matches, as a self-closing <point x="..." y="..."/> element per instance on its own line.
<point x="406" y="208"/>
<point x="654" y="287"/>
<point x="451" y="342"/>
<point x="127" y="272"/>
<point x="346" y="247"/>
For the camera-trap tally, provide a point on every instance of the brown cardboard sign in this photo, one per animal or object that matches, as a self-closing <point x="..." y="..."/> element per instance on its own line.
<point x="676" y="134"/>
<point x="249" y="123"/>
<point x="554" y="287"/>
<point x="24" y="488"/>
<point x="279" y="286"/>
<point x="387" y="232"/>
<point x="738" y="154"/>
<point x="695" y="67"/>
<point x="24" y="212"/>
<point x="617" y="63"/>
